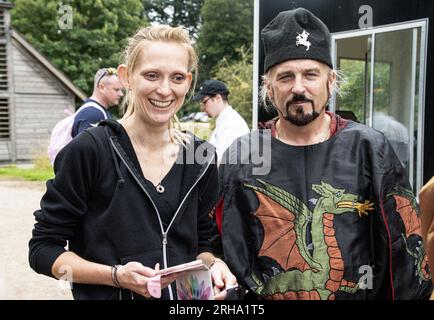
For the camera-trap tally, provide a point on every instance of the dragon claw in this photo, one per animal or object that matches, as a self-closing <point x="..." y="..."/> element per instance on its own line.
<point x="275" y="270"/>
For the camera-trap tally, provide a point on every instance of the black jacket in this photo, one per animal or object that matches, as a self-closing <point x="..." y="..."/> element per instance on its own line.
<point x="98" y="201"/>
<point x="333" y="220"/>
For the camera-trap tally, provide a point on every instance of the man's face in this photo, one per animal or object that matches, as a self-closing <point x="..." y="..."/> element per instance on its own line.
<point x="300" y="89"/>
<point x="210" y="105"/>
<point x="112" y="91"/>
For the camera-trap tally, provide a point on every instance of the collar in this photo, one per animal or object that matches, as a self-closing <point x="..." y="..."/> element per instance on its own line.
<point x="93" y="100"/>
<point x="222" y="117"/>
<point x="337" y="124"/>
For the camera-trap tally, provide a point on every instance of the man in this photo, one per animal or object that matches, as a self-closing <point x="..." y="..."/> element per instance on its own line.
<point x="213" y="97"/>
<point x="395" y="132"/>
<point x="107" y="91"/>
<point x="426" y="198"/>
<point x="334" y="217"/>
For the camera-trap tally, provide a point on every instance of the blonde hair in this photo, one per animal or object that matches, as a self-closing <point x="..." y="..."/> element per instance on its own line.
<point x="131" y="57"/>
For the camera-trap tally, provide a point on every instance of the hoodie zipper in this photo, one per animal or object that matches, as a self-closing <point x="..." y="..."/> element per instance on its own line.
<point x="163" y="233"/>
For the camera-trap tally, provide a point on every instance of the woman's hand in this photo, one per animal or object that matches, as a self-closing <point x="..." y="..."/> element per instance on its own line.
<point x="222" y="278"/>
<point x="135" y="276"/>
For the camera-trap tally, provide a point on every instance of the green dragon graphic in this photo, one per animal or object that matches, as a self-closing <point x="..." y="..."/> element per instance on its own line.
<point x="316" y="275"/>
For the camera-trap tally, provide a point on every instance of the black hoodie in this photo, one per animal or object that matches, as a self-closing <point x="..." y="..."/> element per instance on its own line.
<point x="99" y="202"/>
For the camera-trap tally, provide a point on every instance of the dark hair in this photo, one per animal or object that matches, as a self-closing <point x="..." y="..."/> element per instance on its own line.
<point x="224" y="97"/>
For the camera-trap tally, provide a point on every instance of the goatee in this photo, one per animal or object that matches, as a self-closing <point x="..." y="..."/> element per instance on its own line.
<point x="300" y="118"/>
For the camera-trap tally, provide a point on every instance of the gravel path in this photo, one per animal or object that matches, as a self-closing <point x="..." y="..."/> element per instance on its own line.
<point x="18" y="201"/>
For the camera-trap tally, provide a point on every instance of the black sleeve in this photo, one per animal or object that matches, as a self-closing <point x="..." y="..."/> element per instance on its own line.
<point x="64" y="203"/>
<point x="208" y="196"/>
<point x="409" y="273"/>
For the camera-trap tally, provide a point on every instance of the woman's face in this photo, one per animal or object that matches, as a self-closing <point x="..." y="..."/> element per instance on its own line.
<point x="160" y="80"/>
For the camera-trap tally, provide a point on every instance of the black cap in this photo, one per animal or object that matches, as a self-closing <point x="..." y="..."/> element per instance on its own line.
<point x="296" y="34"/>
<point x="211" y="88"/>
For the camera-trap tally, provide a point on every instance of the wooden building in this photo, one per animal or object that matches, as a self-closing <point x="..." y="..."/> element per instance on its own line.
<point x="33" y="95"/>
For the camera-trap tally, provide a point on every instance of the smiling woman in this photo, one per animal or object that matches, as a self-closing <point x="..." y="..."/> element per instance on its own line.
<point x="127" y="195"/>
<point x="160" y="82"/>
<point x="158" y="69"/>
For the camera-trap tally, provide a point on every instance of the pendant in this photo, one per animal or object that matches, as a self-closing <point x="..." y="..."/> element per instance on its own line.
<point x="159" y="188"/>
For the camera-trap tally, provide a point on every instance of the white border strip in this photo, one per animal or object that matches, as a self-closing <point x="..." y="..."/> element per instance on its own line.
<point x="255" y="104"/>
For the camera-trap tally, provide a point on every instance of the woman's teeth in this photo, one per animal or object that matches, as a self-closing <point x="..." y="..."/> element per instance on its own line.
<point x="160" y="104"/>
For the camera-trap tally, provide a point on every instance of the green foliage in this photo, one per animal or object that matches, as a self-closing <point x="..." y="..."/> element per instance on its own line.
<point x="101" y="27"/>
<point x="227" y="25"/>
<point x="99" y="32"/>
<point x="175" y="13"/>
<point x="238" y="77"/>
<point x="353" y="87"/>
<point x="356" y="72"/>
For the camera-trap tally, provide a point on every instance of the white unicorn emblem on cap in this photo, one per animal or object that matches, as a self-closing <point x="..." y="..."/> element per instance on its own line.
<point x="302" y="40"/>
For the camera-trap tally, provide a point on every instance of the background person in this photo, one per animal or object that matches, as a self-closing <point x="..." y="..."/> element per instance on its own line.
<point x="213" y="96"/>
<point x="107" y="91"/>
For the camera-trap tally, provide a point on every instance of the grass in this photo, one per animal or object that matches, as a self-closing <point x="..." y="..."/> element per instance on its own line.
<point x="26" y="174"/>
<point x="41" y="171"/>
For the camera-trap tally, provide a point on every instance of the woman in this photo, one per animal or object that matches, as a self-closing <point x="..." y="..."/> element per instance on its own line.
<point x="129" y="195"/>
<point x="426" y="199"/>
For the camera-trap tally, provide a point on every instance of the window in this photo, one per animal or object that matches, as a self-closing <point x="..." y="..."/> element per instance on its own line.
<point x="4" y="93"/>
<point x="375" y="63"/>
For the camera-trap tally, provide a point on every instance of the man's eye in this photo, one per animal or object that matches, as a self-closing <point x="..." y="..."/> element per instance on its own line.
<point x="286" y="77"/>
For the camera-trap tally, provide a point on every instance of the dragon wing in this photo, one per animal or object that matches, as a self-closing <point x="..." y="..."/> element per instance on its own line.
<point x="408" y="210"/>
<point x="283" y="217"/>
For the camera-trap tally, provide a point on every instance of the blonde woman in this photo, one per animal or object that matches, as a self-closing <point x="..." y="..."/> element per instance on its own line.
<point x="135" y="195"/>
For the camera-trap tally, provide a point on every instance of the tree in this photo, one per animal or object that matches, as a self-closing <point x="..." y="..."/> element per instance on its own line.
<point x="227" y="25"/>
<point x="238" y="77"/>
<point x="184" y="13"/>
<point x="95" y="39"/>
<point x="353" y="87"/>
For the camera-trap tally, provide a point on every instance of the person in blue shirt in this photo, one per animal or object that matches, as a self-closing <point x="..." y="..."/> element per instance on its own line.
<point x="107" y="92"/>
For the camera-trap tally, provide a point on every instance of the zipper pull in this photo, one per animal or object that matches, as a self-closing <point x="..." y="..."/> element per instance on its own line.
<point x="164" y="238"/>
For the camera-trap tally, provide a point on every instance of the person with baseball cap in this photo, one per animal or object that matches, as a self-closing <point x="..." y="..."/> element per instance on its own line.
<point x="213" y="98"/>
<point x="333" y="216"/>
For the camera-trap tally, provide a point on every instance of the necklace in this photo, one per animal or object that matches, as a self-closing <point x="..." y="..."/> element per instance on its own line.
<point x="159" y="187"/>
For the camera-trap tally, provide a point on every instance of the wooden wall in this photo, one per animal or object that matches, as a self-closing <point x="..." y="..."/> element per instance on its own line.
<point x="38" y="104"/>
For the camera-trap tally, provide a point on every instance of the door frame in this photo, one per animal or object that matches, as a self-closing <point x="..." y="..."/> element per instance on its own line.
<point x="373" y="31"/>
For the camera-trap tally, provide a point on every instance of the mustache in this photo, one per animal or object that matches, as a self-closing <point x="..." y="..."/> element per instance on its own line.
<point x="298" y="98"/>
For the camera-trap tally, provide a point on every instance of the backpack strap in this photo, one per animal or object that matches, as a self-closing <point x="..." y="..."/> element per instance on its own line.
<point x="94" y="105"/>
